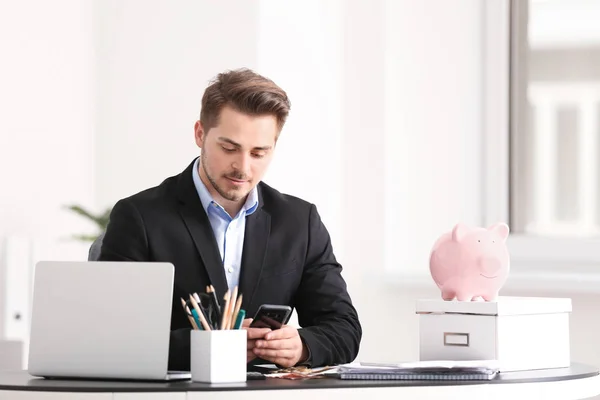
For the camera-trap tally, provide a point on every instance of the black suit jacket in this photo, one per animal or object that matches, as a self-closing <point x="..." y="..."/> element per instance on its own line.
<point x="287" y="259"/>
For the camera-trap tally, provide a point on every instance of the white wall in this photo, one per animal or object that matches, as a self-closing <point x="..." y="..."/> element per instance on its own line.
<point x="364" y="190"/>
<point x="433" y="125"/>
<point x="47" y="123"/>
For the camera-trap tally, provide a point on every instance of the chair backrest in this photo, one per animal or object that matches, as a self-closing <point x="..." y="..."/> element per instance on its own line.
<point x="94" y="253"/>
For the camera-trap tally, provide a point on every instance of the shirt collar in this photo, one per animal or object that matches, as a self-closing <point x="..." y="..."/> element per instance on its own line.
<point x="206" y="198"/>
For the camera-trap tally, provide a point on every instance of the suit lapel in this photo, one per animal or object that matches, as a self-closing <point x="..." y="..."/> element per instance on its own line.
<point x="195" y="218"/>
<point x="256" y="241"/>
<point x="199" y="227"/>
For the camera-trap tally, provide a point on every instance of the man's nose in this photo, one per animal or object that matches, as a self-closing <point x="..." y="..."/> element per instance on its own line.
<point x="242" y="163"/>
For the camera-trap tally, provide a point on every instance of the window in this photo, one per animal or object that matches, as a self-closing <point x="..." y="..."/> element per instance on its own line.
<point x="555" y="118"/>
<point x="551" y="196"/>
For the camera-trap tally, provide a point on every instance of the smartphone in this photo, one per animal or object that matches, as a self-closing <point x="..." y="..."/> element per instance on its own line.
<point x="271" y="316"/>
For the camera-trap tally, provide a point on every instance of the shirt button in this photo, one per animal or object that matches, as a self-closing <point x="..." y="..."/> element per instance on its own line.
<point x="230" y="270"/>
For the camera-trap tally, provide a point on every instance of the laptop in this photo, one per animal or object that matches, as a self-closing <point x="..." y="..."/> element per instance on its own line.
<point x="102" y="320"/>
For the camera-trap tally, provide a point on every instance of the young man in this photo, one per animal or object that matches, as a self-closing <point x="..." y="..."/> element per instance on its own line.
<point x="220" y="225"/>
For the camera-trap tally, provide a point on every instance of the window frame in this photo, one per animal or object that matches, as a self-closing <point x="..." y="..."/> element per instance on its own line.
<point x="536" y="261"/>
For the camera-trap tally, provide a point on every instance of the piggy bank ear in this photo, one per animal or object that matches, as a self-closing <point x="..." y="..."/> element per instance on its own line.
<point x="459" y="232"/>
<point x="501" y="229"/>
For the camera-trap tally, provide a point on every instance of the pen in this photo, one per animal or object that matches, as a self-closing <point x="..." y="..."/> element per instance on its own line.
<point x="211" y="290"/>
<point x="240" y="319"/>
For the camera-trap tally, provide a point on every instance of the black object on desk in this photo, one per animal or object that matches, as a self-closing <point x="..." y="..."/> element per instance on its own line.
<point x="255" y="376"/>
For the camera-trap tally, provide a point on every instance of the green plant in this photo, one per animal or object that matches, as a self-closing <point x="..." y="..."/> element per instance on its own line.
<point x="101" y="220"/>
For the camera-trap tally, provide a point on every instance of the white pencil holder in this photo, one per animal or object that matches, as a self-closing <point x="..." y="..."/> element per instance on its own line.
<point x="218" y="356"/>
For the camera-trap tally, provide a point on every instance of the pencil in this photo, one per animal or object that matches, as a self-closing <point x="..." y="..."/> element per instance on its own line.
<point x="231" y="306"/>
<point x="225" y="310"/>
<point x="236" y="311"/>
<point x="187" y="313"/>
<point x="200" y="314"/>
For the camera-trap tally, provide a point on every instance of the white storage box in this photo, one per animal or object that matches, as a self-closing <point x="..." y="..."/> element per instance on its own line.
<point x="521" y="333"/>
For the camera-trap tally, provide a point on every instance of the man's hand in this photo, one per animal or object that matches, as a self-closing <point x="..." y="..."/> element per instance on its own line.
<point x="253" y="335"/>
<point x="282" y="347"/>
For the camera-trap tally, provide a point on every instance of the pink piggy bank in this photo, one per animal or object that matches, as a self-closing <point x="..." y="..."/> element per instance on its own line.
<point x="471" y="262"/>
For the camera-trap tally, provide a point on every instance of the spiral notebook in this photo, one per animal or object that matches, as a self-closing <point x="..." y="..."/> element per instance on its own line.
<point x="429" y="370"/>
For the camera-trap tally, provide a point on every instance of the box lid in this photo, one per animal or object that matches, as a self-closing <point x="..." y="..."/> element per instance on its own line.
<point x="504" y="305"/>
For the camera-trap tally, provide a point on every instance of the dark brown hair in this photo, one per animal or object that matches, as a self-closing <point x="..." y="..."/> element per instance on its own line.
<point x="244" y="91"/>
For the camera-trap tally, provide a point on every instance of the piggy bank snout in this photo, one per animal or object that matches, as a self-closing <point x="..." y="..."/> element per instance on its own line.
<point x="489" y="266"/>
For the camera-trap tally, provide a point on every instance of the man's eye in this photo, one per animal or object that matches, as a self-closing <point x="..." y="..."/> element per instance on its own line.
<point x="257" y="155"/>
<point x="228" y="150"/>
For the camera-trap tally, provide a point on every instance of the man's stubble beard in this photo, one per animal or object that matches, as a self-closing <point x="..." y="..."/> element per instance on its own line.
<point x="232" y="195"/>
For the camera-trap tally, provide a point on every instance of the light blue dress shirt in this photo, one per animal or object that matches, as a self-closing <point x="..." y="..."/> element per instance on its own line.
<point x="229" y="231"/>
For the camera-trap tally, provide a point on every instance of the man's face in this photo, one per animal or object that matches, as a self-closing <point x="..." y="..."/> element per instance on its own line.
<point x="236" y="153"/>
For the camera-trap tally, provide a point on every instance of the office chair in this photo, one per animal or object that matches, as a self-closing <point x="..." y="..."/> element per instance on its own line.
<point x="94" y="252"/>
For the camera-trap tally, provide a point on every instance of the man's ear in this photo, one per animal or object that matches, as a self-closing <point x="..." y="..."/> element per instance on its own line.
<point x="276" y="139"/>
<point x="199" y="134"/>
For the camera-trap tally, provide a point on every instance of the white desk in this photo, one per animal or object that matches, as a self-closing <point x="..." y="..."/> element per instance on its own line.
<point x="577" y="382"/>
